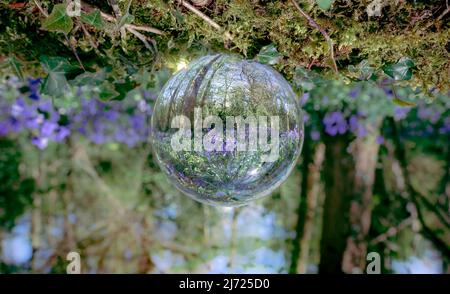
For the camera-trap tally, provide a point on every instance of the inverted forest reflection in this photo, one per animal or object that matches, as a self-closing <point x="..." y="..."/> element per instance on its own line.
<point x="121" y="226"/>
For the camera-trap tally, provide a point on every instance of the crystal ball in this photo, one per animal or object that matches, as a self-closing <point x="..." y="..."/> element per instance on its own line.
<point x="227" y="131"/>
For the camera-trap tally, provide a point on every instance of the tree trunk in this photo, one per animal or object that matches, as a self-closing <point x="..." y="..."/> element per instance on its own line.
<point x="311" y="203"/>
<point x="36" y="217"/>
<point x="339" y="178"/>
<point x="312" y="162"/>
<point x="365" y="151"/>
<point x="301" y="211"/>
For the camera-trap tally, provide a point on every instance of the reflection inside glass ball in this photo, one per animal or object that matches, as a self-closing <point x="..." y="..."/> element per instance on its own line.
<point x="227" y="131"/>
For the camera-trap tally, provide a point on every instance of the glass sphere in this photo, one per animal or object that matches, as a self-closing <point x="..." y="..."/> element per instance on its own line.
<point x="227" y="131"/>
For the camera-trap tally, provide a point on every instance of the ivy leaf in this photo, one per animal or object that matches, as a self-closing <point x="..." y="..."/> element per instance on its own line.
<point x="107" y="91"/>
<point x="305" y="80"/>
<point x="123" y="87"/>
<point x="161" y="77"/>
<point x="269" y="55"/>
<point x="58" y="20"/>
<point x="400" y="71"/>
<point x="94" y="19"/>
<point x="125" y="19"/>
<point x="56" y="64"/>
<point x="363" y="70"/>
<point x="13" y="63"/>
<point x="324" y="4"/>
<point x="90" y="78"/>
<point x="55" y="84"/>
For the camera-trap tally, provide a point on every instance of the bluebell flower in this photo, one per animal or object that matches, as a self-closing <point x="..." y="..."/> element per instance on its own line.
<point x="40" y="142"/>
<point x="48" y="128"/>
<point x="379" y="140"/>
<point x="304" y="99"/>
<point x="34" y="85"/>
<point x="388" y="92"/>
<point x="315" y="135"/>
<point x="306" y="118"/>
<point x="401" y="112"/>
<point x="61" y="134"/>
<point x="335" y="123"/>
<point x="148" y="95"/>
<point x="356" y="127"/>
<point x="354" y="93"/>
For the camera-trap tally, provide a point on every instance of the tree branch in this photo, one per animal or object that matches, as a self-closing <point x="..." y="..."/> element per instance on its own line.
<point x="140" y="37"/>
<point x="444" y="12"/>
<point x="39" y="7"/>
<point x="200" y="14"/>
<point x="429" y="233"/>
<point x="392" y="231"/>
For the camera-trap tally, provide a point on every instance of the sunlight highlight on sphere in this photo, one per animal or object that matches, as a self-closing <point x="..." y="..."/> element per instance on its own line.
<point x="227" y="131"/>
<point x="182" y="64"/>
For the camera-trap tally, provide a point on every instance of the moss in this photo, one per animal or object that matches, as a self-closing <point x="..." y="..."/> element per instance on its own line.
<point x="404" y="28"/>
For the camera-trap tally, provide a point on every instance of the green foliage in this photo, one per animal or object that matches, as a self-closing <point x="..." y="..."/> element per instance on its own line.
<point x="55" y="84"/>
<point x="14" y="65"/>
<point x="58" y="20"/>
<point x="362" y="70"/>
<point x="125" y="19"/>
<point x="400" y="71"/>
<point x="94" y="19"/>
<point x="404" y="49"/>
<point x="324" y="4"/>
<point x="246" y="27"/>
<point x="269" y="55"/>
<point x="15" y="192"/>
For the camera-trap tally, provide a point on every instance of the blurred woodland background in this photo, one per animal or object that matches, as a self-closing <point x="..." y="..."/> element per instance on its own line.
<point x="76" y="167"/>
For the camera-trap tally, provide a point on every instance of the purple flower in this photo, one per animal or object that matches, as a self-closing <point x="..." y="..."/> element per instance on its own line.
<point x="401" y="112"/>
<point x="293" y="134"/>
<point x="429" y="113"/>
<point x="354" y="93"/>
<point x="33" y="85"/>
<point x="97" y="138"/>
<point x="46" y="106"/>
<point x="149" y="95"/>
<point x="379" y="140"/>
<point x="4" y="128"/>
<point x="15" y="125"/>
<point x="144" y="107"/>
<point x="61" y="134"/>
<point x="18" y="108"/>
<point x="304" y="99"/>
<point x="40" y="142"/>
<point x="315" y="135"/>
<point x="445" y="129"/>
<point x="48" y="128"/>
<point x="429" y="129"/>
<point x="112" y="115"/>
<point x="101" y="122"/>
<point x="335" y="123"/>
<point x="388" y="92"/>
<point x="34" y="122"/>
<point x="306" y="118"/>
<point x="356" y="127"/>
